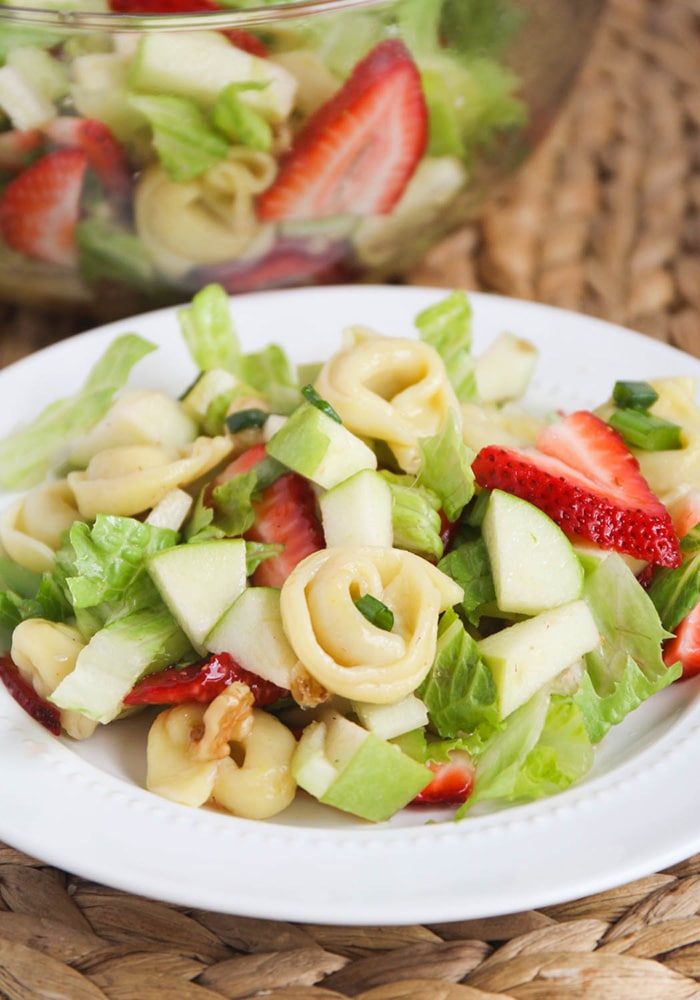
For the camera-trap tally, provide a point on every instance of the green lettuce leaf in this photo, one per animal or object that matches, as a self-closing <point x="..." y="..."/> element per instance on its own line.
<point x="459" y="692"/>
<point x="675" y="592"/>
<point x="447" y="326"/>
<point x="446" y="467"/>
<point x="186" y="143"/>
<point x="627" y="667"/>
<point x="468" y="564"/>
<point x="415" y="516"/>
<point x="27" y="454"/>
<point x="208" y="330"/>
<point x="109" y="563"/>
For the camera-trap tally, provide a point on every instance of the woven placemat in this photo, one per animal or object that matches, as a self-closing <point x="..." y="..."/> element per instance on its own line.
<point x="605" y="220"/>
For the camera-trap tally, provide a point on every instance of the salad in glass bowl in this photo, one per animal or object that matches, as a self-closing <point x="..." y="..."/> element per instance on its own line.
<point x="377" y="580"/>
<point x="149" y="147"/>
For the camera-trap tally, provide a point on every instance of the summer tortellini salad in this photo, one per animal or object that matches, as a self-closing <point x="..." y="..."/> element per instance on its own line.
<point x="377" y="580"/>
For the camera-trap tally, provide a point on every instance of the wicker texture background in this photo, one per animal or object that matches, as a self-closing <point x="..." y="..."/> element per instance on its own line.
<point x="606" y="220"/>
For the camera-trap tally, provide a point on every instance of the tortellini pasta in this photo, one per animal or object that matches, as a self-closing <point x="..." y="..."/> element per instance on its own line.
<point x="45" y="652"/>
<point x="130" y="479"/>
<point x="334" y="641"/>
<point x="390" y="389"/>
<point x="227" y="753"/>
<point x="206" y="220"/>
<point x="31" y="529"/>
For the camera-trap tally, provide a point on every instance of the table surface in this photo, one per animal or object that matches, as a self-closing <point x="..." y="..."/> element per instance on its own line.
<point x="605" y="220"/>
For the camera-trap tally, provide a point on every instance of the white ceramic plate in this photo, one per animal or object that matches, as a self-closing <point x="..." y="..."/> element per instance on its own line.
<point x="82" y="806"/>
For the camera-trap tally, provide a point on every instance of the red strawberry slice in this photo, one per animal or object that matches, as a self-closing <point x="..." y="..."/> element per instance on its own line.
<point x="27" y="698"/>
<point x="18" y="149"/>
<point x="285" y="515"/>
<point x="104" y="153"/>
<point x="355" y="154"/>
<point x="583" y="476"/>
<point x="201" y="682"/>
<point x="452" y="784"/>
<point x="685" y="645"/>
<point x="39" y="208"/>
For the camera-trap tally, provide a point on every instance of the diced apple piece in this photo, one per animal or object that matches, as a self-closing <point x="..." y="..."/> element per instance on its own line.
<point x="529" y="654"/>
<point x="319" y="448"/>
<point x="199" y="581"/>
<point x="358" y="511"/>
<point x="210" y="385"/>
<point x="388" y="721"/>
<point x="533" y="563"/>
<point x="344" y="766"/>
<point x="171" y="511"/>
<point x="504" y="370"/>
<point x="251" y="631"/>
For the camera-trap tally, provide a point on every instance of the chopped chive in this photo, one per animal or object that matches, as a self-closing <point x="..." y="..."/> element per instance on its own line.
<point x="634" y="395"/>
<point x="376" y="612"/>
<point x="245" y="419"/>
<point x="644" y="430"/>
<point x="310" y="394"/>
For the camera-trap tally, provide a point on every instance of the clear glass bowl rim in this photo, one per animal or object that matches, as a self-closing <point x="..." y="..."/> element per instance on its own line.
<point x="259" y="16"/>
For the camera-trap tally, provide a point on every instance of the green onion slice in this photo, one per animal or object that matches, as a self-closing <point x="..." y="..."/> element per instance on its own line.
<point x="310" y="394"/>
<point x="634" y="395"/>
<point x="243" y="420"/>
<point x="375" y="611"/>
<point x="645" y="431"/>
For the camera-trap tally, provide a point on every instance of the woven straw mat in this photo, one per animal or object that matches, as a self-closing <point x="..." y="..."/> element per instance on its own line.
<point x="605" y="220"/>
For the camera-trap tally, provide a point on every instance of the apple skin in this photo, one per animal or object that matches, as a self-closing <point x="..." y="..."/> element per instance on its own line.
<point x="529" y="654"/>
<point x="344" y="766"/>
<point x="533" y="564"/>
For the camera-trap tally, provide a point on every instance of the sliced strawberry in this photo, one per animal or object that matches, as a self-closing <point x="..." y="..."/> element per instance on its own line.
<point x="583" y="476"/>
<point x="245" y="41"/>
<point x="356" y="154"/>
<point x="27" y="698"/>
<point x="39" y="208"/>
<point x="104" y="153"/>
<point x="18" y="149"/>
<point x="242" y="463"/>
<point x="201" y="682"/>
<point x="452" y="784"/>
<point x="285" y="515"/>
<point x="685" y="645"/>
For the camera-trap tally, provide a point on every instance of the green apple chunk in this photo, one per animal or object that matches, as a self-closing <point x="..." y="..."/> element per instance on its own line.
<point x="358" y="511"/>
<point x="199" y="581"/>
<point x="345" y="766"/>
<point x="525" y="656"/>
<point x="389" y="721"/>
<point x="504" y="370"/>
<point x="319" y="448"/>
<point x="251" y="631"/>
<point x="533" y="563"/>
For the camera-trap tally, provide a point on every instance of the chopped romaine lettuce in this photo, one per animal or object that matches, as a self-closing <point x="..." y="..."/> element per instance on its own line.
<point x="27" y="454"/>
<point x="446" y="467"/>
<point x="468" y="565"/>
<point x="415" y="516"/>
<point x="447" y="326"/>
<point x="459" y="692"/>
<point x="627" y="667"/>
<point x="186" y="143"/>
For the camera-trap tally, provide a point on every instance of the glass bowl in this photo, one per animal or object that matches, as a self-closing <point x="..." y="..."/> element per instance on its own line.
<point x="149" y="147"/>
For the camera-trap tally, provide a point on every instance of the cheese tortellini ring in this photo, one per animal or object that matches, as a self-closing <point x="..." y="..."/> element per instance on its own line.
<point x="345" y="652"/>
<point x="191" y="748"/>
<point x="391" y="389"/>
<point x="130" y="479"/>
<point x="31" y="529"/>
<point x="45" y="652"/>
<point x="204" y="221"/>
